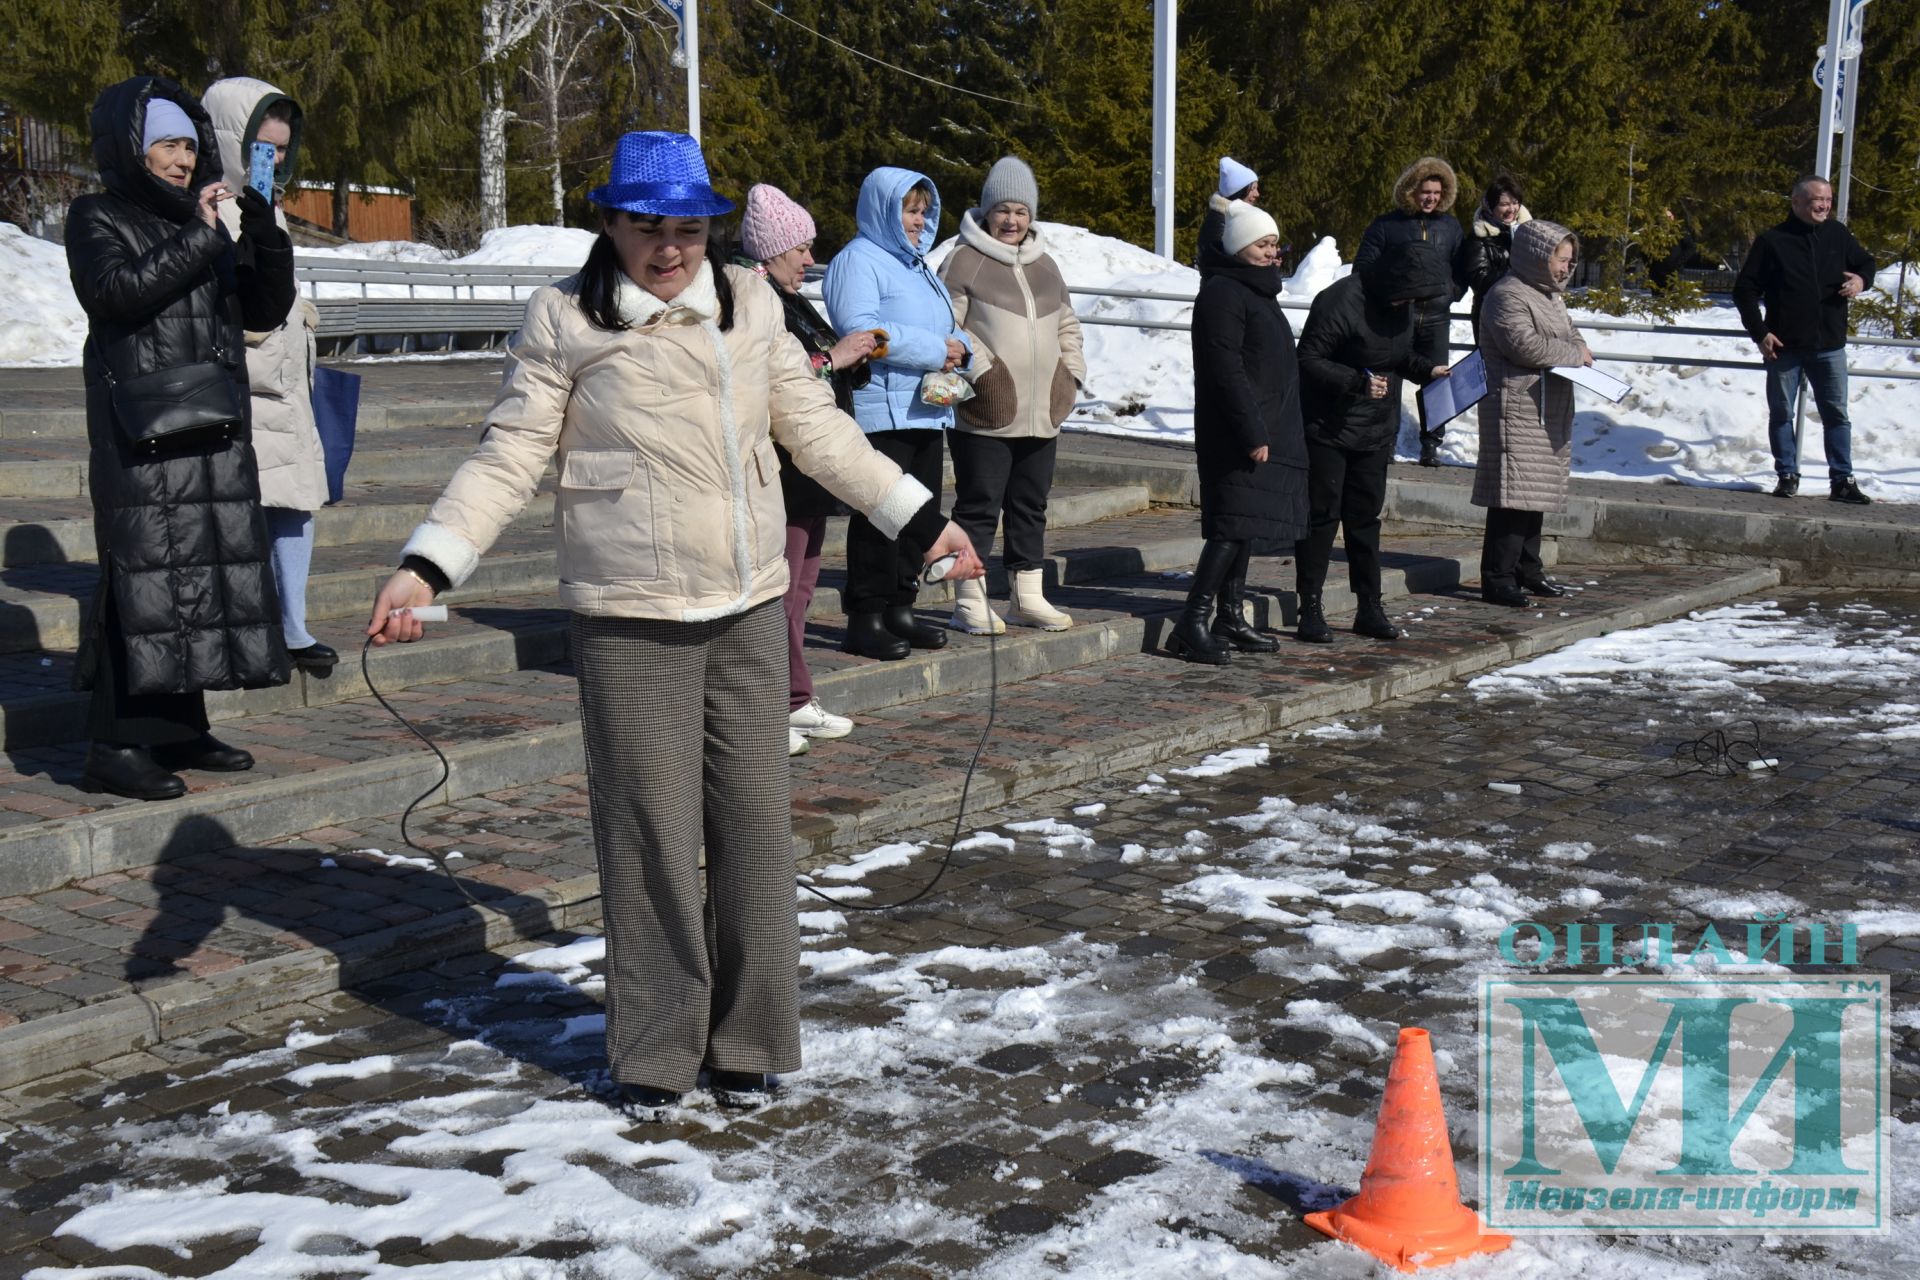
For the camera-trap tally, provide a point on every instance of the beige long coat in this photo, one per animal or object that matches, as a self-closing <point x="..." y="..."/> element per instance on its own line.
<point x="1526" y="419"/>
<point x="293" y="467"/>
<point x="669" y="500"/>
<point x="1027" y="359"/>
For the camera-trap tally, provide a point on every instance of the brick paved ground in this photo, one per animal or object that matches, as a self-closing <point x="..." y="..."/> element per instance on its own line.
<point x="1081" y="1049"/>
<point x="195" y="913"/>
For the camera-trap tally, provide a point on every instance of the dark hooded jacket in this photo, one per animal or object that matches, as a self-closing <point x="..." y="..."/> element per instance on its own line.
<point x="1355" y="327"/>
<point x="1247" y="394"/>
<point x="1438" y="233"/>
<point x="186" y="584"/>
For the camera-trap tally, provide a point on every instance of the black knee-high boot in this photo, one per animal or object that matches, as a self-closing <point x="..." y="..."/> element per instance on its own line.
<point x="1191" y="638"/>
<point x="1230" y="619"/>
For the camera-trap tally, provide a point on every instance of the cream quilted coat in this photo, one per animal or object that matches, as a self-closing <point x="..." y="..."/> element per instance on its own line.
<point x="669" y="499"/>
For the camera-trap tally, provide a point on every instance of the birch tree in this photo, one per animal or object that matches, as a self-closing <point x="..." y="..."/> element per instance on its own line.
<point x="567" y="31"/>
<point x="504" y="27"/>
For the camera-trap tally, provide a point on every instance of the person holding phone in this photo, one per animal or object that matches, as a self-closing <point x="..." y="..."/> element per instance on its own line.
<point x="185" y="600"/>
<point x="259" y="130"/>
<point x="660" y="379"/>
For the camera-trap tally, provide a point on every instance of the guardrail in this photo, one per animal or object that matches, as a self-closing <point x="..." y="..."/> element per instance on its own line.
<point x="443" y="319"/>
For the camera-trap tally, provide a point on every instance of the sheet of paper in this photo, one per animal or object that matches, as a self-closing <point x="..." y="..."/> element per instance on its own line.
<point x="1445" y="399"/>
<point x="1606" y="384"/>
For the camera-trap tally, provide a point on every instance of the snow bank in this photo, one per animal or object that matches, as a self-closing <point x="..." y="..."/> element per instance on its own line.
<point x="1688" y="423"/>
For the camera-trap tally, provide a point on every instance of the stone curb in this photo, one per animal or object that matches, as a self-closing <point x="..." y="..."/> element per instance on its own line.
<point x="66" y="1041"/>
<point x="129" y="1023"/>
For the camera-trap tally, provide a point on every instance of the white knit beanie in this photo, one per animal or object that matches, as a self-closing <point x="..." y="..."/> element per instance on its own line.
<point x="1245" y="224"/>
<point x="166" y="120"/>
<point x="1235" y="177"/>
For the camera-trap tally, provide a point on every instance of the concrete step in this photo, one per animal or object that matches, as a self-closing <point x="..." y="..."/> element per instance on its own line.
<point x="57" y="467"/>
<point x="515" y="620"/>
<point x="41" y="602"/>
<point x="60" y="530"/>
<point x="327" y="755"/>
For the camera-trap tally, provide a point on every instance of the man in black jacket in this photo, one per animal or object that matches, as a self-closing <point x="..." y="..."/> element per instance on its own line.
<point x="1804" y="270"/>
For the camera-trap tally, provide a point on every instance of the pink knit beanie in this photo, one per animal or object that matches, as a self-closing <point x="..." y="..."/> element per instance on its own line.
<point x="774" y="224"/>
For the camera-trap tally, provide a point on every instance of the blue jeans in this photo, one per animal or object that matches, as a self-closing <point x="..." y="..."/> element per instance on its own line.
<point x="1826" y="373"/>
<point x="292" y="533"/>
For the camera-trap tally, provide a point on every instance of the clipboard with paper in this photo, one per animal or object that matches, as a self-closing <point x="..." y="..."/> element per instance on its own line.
<point x="1445" y="399"/>
<point x="1614" y="389"/>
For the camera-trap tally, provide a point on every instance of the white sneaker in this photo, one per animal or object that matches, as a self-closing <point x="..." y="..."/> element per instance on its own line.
<point x="797" y="743"/>
<point x="815" y="721"/>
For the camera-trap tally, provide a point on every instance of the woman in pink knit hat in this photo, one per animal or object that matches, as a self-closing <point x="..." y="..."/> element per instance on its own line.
<point x="776" y="240"/>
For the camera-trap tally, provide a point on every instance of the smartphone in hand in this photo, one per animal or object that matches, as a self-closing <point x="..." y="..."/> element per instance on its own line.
<point x="260" y="170"/>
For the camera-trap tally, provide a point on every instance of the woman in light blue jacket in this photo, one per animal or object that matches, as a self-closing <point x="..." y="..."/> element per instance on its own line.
<point x="881" y="281"/>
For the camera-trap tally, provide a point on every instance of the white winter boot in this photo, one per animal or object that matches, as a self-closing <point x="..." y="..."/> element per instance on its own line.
<point x="971" y="612"/>
<point x="1029" y="607"/>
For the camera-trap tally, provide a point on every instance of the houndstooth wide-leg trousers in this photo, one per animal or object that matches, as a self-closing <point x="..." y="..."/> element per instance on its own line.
<point x="685" y="725"/>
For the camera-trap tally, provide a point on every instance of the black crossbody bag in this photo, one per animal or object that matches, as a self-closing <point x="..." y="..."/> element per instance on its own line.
<point x="181" y="405"/>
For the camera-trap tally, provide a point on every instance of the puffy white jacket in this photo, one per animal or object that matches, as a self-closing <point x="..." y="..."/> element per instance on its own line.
<point x="669" y="501"/>
<point x="293" y="467"/>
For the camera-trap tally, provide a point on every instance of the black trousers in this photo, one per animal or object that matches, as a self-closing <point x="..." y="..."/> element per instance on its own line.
<point x="1346" y="489"/>
<point x="119" y="718"/>
<point x="1510" y="553"/>
<point x="881" y="572"/>
<point x="1430" y="330"/>
<point x="994" y="475"/>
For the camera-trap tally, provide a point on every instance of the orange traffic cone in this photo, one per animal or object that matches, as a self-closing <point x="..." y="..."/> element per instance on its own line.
<point x="1408" y="1213"/>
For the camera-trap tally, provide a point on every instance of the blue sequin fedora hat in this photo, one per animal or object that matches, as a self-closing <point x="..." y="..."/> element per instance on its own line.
<point x="662" y="174"/>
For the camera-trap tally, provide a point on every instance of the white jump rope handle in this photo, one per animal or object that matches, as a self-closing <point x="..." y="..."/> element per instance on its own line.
<point x="426" y="612"/>
<point x="939" y="569"/>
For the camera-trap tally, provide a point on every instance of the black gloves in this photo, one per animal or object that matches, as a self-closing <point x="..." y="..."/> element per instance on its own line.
<point x="256" y="219"/>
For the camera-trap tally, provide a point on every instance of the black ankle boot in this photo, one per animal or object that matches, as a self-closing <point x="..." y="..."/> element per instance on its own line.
<point x="1230" y="618"/>
<point x="317" y="660"/>
<point x="1192" y="639"/>
<point x="1372" y="620"/>
<point x="129" y="772"/>
<point x="899" y="619"/>
<point x="204" y="752"/>
<point x="644" y="1102"/>
<point x="868" y="636"/>
<point x="742" y="1089"/>
<point x="1313" y="626"/>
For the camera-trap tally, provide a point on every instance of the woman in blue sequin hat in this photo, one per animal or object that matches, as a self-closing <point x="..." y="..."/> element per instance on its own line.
<point x="661" y="379"/>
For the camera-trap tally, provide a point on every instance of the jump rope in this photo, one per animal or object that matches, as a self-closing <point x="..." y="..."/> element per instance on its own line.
<point x="934" y="573"/>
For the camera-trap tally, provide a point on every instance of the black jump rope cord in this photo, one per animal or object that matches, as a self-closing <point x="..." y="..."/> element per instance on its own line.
<point x="946" y="860"/>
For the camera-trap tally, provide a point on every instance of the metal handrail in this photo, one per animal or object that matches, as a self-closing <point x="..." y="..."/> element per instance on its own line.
<point x="513" y="278"/>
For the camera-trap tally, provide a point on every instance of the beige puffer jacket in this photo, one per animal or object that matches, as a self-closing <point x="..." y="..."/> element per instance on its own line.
<point x="1027" y="359"/>
<point x="293" y="467"/>
<point x="669" y="500"/>
<point x="1526" y="419"/>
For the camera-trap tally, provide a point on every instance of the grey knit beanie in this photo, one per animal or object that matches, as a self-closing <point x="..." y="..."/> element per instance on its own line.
<point x="1010" y="179"/>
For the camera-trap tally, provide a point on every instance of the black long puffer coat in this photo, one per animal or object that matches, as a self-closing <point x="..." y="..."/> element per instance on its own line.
<point x="1357" y="326"/>
<point x="1246" y="394"/>
<point x="182" y="542"/>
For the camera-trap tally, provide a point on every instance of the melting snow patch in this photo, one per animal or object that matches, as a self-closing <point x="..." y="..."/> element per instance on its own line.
<point x="1225" y="762"/>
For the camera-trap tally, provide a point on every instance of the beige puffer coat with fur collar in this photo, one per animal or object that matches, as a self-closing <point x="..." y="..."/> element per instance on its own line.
<point x="669" y="499"/>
